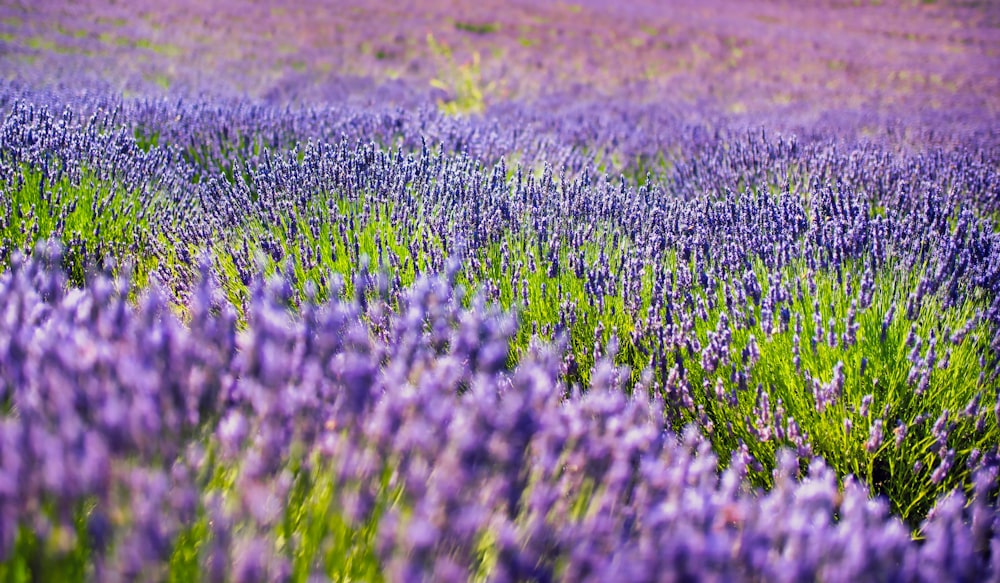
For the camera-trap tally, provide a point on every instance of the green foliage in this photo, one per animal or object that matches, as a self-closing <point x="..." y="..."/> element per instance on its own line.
<point x="477" y="28"/>
<point x="317" y="533"/>
<point x="95" y="219"/>
<point x="461" y="81"/>
<point x="64" y="555"/>
<point x="186" y="562"/>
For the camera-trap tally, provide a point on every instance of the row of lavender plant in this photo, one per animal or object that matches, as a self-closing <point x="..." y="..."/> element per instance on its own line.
<point x="221" y="135"/>
<point x="369" y="439"/>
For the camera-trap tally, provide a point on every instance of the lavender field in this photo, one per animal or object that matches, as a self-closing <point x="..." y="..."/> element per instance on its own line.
<point x="500" y="291"/>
